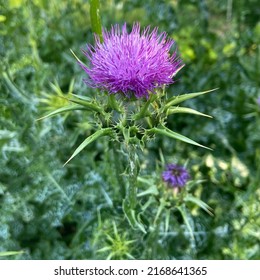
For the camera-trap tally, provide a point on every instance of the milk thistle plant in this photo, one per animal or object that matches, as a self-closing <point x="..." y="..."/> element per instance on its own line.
<point x="131" y="71"/>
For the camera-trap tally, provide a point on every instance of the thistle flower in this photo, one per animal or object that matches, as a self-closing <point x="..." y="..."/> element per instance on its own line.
<point x="175" y="175"/>
<point x="134" y="63"/>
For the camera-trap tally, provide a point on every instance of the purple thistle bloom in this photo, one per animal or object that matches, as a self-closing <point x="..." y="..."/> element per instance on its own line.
<point x="175" y="175"/>
<point x="131" y="63"/>
<point x="258" y="101"/>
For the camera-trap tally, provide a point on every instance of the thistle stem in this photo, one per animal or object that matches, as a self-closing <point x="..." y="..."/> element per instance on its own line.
<point x="126" y="161"/>
<point x="133" y="171"/>
<point x="119" y="168"/>
<point x="95" y="18"/>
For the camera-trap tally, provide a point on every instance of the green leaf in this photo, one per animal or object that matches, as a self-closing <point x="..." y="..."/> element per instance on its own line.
<point x="10" y="253"/>
<point x="178" y="99"/>
<point x="151" y="190"/>
<point x="88" y="105"/>
<point x="113" y="103"/>
<point x="184" y="110"/>
<point x="86" y="98"/>
<point x="104" y="249"/>
<point x="80" y="62"/>
<point x="59" y="188"/>
<point x="161" y="207"/>
<point x="200" y="203"/>
<point x="14" y="90"/>
<point x="62" y="110"/>
<point x="56" y="88"/>
<point x="185" y="217"/>
<point x="144" y="112"/>
<point x="167" y="132"/>
<point x="90" y="139"/>
<point x="131" y="217"/>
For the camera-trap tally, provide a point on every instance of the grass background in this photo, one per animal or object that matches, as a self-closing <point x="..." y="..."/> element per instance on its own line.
<point x="53" y="212"/>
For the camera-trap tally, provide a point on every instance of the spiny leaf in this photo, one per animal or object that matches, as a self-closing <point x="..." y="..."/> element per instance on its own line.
<point x="89" y="105"/>
<point x="56" y="88"/>
<point x="86" y="98"/>
<point x="184" y="110"/>
<point x="59" y="188"/>
<point x="161" y="207"/>
<point x="167" y="132"/>
<point x="113" y="103"/>
<point x="185" y="217"/>
<point x="15" y="91"/>
<point x="131" y="217"/>
<point x="178" y="99"/>
<point x="151" y="190"/>
<point x="144" y="111"/>
<point x="104" y="249"/>
<point x="88" y="140"/>
<point x="62" y="110"/>
<point x="200" y="203"/>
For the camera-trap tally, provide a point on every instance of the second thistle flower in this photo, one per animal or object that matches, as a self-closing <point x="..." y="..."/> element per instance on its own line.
<point x="176" y="176"/>
<point x="134" y="63"/>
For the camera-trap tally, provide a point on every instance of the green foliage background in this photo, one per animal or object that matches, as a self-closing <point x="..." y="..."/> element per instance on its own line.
<point x="74" y="212"/>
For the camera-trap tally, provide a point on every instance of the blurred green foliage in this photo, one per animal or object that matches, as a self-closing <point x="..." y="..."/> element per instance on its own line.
<point x="53" y="212"/>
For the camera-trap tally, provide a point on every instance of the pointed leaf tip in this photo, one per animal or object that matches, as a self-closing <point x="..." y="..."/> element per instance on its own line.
<point x="180" y="98"/>
<point x="88" y="140"/>
<point x="185" y="110"/>
<point x="61" y="110"/>
<point x="75" y="56"/>
<point x="167" y="132"/>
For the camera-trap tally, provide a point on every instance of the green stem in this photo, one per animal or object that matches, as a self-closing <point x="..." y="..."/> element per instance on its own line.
<point x="126" y="160"/>
<point x="119" y="168"/>
<point x="95" y="18"/>
<point x="133" y="171"/>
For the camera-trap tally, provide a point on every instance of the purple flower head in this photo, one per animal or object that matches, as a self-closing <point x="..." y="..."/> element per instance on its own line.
<point x="175" y="175"/>
<point x="131" y="63"/>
